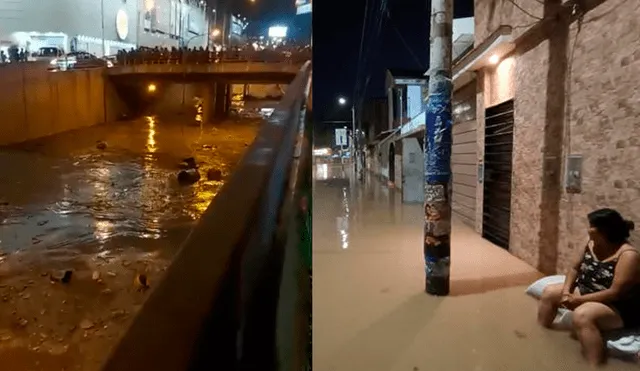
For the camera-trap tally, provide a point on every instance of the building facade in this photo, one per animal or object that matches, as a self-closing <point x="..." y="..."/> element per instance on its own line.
<point x="546" y="123"/>
<point x="81" y="24"/>
<point x="569" y="91"/>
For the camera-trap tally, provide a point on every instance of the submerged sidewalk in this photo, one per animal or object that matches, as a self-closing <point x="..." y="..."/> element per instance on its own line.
<point x="370" y="311"/>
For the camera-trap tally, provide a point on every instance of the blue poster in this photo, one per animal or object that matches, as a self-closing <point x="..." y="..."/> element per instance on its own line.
<point x="438" y="138"/>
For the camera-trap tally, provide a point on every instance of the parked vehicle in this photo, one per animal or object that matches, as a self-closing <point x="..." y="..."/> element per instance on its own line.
<point x="46" y="54"/>
<point x="78" y="60"/>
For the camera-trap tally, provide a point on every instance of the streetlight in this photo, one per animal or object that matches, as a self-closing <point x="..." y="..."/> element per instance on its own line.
<point x="343" y="101"/>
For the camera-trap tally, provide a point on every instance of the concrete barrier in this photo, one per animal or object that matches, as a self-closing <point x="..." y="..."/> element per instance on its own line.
<point x="214" y="68"/>
<point x="35" y="103"/>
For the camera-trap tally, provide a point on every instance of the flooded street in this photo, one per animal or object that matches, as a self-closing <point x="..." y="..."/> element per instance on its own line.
<point x="85" y="214"/>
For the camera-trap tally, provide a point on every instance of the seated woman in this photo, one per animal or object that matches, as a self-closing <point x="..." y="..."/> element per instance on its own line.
<point x="602" y="288"/>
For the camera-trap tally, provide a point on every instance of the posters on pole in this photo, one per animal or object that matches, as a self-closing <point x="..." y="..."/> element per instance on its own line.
<point x="341" y="137"/>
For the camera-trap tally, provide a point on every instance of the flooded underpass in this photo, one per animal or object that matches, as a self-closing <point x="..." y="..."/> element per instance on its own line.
<point x="89" y="221"/>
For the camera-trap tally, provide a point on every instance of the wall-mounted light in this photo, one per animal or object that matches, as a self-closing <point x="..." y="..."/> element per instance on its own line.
<point x="151" y="88"/>
<point x="494" y="59"/>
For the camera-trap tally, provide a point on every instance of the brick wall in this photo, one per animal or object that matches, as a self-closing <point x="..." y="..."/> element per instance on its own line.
<point x="491" y="14"/>
<point x="604" y="119"/>
<point x="597" y="90"/>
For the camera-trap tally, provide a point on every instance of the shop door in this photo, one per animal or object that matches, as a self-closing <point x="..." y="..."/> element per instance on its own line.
<point x="498" y="150"/>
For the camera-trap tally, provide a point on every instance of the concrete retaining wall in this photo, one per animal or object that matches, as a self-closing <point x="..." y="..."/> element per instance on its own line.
<point x="35" y="103"/>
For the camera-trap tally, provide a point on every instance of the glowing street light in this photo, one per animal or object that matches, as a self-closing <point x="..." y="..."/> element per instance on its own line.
<point x="152" y="88"/>
<point x="342" y="101"/>
<point x="215" y="32"/>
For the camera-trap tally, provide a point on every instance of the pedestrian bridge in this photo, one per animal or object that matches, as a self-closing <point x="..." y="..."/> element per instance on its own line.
<point x="245" y="68"/>
<point x="245" y="72"/>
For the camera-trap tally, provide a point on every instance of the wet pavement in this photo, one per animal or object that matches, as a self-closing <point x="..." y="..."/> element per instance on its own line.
<point x="107" y="213"/>
<point x="370" y="311"/>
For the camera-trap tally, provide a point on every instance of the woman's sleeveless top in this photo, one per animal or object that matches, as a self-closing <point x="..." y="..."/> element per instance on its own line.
<point x="595" y="275"/>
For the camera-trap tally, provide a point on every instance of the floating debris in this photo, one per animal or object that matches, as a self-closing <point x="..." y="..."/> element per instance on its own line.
<point x="63" y="276"/>
<point x="141" y="282"/>
<point x="187" y="177"/>
<point x="214" y="174"/>
<point x="85" y="324"/>
<point x="101" y="145"/>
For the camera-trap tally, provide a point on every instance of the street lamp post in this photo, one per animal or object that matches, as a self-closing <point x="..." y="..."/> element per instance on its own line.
<point x="184" y="68"/>
<point x="102" y="16"/>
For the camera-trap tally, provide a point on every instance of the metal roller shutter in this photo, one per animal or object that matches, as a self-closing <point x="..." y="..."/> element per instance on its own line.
<point x="498" y="150"/>
<point x="463" y="166"/>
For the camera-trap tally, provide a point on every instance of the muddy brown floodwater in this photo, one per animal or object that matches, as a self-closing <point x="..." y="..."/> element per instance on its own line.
<point x="106" y="215"/>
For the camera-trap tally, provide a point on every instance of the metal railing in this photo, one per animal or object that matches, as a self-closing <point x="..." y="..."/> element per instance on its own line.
<point x="237" y="296"/>
<point x="208" y="57"/>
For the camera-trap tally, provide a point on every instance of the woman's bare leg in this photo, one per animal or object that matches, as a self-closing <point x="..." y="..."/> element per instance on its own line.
<point x="549" y="303"/>
<point x="589" y="320"/>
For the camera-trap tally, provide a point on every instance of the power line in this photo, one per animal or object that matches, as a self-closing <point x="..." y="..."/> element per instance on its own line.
<point x="406" y="45"/>
<point x="364" y="26"/>
<point x="382" y="10"/>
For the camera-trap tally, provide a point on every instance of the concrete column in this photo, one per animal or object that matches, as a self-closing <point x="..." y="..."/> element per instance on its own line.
<point x="221" y="90"/>
<point x="208" y="103"/>
<point x="228" y="94"/>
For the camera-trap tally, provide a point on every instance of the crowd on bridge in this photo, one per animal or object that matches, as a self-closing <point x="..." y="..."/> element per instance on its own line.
<point x="13" y="55"/>
<point x="201" y="55"/>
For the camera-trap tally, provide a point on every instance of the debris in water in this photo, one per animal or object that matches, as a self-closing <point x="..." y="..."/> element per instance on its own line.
<point x="111" y="274"/>
<point x="85" y="324"/>
<point x="101" y="145"/>
<point x="207" y="146"/>
<point x="186" y="177"/>
<point x="95" y="276"/>
<point x="23" y="322"/>
<point x="42" y="222"/>
<point x="520" y="334"/>
<point x="141" y="282"/>
<point x="214" y="174"/>
<point x="35" y="240"/>
<point x="189" y="163"/>
<point x="63" y="276"/>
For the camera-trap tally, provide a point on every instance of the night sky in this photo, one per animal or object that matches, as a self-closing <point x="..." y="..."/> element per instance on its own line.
<point x="263" y="14"/>
<point x="337" y="29"/>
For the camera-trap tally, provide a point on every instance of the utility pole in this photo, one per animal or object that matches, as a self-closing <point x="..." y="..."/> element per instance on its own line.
<point x="104" y="52"/>
<point x="354" y="140"/>
<point x="437" y="154"/>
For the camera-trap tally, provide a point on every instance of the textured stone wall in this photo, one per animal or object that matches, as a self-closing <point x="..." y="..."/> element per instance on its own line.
<point x="529" y="116"/>
<point x="604" y="119"/>
<point x="601" y="123"/>
<point x="491" y="14"/>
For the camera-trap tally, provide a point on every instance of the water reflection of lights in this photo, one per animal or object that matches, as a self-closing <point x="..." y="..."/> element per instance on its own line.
<point x="343" y="221"/>
<point x="151" y="140"/>
<point x="322" y="172"/>
<point x="103" y="229"/>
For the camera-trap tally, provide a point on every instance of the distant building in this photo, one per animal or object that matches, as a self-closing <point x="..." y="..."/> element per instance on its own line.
<point x="77" y="24"/>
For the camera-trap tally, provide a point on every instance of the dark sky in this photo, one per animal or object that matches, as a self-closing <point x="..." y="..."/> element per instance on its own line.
<point x="337" y="29"/>
<point x="265" y="13"/>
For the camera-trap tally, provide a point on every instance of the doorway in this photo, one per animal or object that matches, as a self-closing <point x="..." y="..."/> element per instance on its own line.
<point x="498" y="151"/>
<point x="392" y="163"/>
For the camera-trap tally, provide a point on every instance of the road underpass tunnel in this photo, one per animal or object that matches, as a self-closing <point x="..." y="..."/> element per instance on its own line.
<point x="204" y="101"/>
